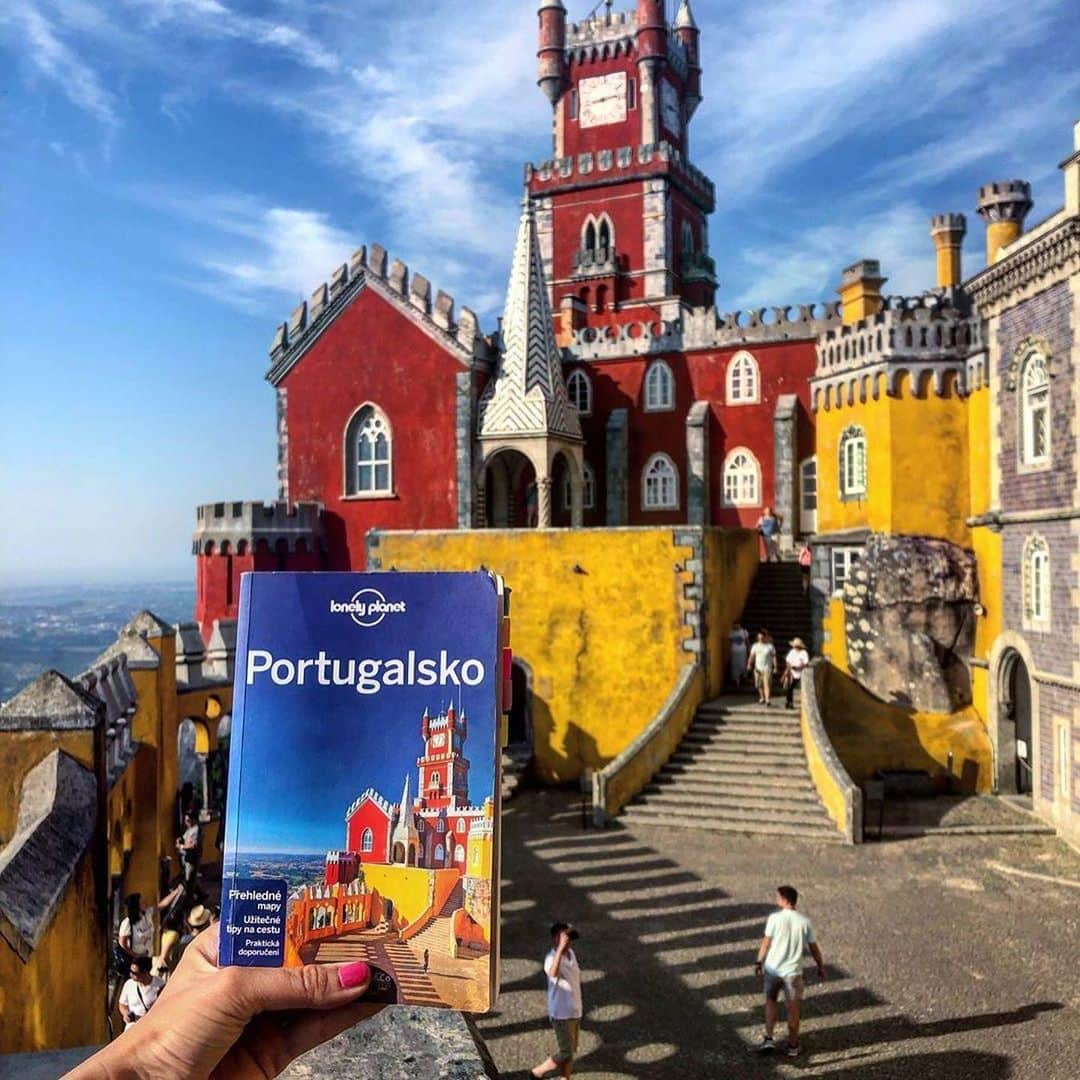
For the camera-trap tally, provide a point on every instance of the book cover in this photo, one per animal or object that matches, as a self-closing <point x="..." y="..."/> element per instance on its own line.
<point x="362" y="820"/>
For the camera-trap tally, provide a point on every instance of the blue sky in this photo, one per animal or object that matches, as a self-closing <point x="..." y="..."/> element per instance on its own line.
<point x="178" y="173"/>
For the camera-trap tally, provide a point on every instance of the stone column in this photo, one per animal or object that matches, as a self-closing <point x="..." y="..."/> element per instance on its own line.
<point x="785" y="468"/>
<point x="697" y="464"/>
<point x="617" y="451"/>
<point x="543" y="502"/>
<point x="577" y="497"/>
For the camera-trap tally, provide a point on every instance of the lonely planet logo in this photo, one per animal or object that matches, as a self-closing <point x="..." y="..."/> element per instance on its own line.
<point x="368" y="607"/>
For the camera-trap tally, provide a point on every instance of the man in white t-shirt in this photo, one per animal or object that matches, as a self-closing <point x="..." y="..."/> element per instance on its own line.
<point x="795" y="663"/>
<point x="762" y="661"/>
<point x="788" y="936"/>
<point x="139" y="992"/>
<point x="564" y="999"/>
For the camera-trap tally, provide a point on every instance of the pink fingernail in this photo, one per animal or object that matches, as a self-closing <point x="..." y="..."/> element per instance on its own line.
<point x="353" y="975"/>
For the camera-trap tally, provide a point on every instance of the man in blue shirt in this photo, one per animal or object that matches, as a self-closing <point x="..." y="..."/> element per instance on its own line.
<point x="788" y="936"/>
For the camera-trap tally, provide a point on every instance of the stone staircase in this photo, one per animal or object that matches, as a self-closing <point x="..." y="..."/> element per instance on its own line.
<point x="778" y="604"/>
<point x="740" y="768"/>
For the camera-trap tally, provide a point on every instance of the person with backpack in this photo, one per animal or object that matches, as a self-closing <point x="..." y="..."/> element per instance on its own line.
<point x="140" y="991"/>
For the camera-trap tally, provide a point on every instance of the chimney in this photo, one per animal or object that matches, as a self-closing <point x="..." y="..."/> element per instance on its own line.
<point x="1003" y="206"/>
<point x="860" y="290"/>
<point x="552" y="51"/>
<point x="948" y="231"/>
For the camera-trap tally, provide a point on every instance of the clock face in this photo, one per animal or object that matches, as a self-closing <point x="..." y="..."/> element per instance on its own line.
<point x="438" y="740"/>
<point x="669" y="108"/>
<point x="603" y="100"/>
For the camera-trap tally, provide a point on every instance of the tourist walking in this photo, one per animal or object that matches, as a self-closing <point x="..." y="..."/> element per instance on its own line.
<point x="136" y="934"/>
<point x="788" y="936"/>
<point x="739" y="647"/>
<point x="564" y="999"/>
<point x="768" y="525"/>
<point x="427" y="959"/>
<point x="139" y="992"/>
<point x="806" y="561"/>
<point x="795" y="663"/>
<point x="762" y="662"/>
<point x="189" y="847"/>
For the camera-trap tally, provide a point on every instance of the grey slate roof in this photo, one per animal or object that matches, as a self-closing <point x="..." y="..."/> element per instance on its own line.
<point x="57" y="811"/>
<point x="52" y="702"/>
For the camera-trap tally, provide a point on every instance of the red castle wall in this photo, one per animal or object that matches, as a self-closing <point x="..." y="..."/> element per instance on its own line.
<point x="368" y="815"/>
<point x="373" y="353"/>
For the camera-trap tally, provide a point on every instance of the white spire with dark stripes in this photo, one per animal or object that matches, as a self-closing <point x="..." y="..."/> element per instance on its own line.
<point x="527" y="394"/>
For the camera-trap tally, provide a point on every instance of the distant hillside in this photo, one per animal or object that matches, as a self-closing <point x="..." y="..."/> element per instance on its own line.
<point x="65" y="627"/>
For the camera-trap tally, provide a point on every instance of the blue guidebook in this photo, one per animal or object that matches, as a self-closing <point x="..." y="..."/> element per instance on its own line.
<point x="363" y="801"/>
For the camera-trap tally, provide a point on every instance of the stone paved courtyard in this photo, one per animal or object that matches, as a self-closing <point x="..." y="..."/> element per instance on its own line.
<point x="948" y="959"/>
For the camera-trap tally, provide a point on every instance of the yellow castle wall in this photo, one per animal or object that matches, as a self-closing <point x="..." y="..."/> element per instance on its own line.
<point x="409" y="887"/>
<point x="603" y="641"/>
<point x="731" y="561"/>
<point x="869" y="734"/>
<point x="20" y="751"/>
<point x="57" y="998"/>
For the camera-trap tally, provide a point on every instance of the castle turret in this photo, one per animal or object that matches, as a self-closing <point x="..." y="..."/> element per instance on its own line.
<point x="860" y="290"/>
<point x="948" y="232"/>
<point x="552" y="51"/>
<point x="1003" y="205"/>
<point x="652" y="55"/>
<point x="686" y="30"/>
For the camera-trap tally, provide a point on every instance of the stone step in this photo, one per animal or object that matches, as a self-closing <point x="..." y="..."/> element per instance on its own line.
<point x="725" y="800"/>
<point x="742" y="755"/>
<point x="748" y="712"/>
<point x="707" y="767"/>
<point x="754" y="787"/>
<point x="785" y="740"/>
<point x="731" y="809"/>
<point x="646" y="814"/>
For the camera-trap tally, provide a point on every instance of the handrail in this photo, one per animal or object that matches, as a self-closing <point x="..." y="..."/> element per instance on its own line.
<point x="842" y="797"/>
<point x="618" y="782"/>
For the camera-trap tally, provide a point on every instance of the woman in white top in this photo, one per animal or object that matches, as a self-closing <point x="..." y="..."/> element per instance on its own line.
<point x="136" y="933"/>
<point x="795" y="663"/>
<point x="739" y="641"/>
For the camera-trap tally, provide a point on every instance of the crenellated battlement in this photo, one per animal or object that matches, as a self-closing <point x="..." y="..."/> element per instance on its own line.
<point x="376" y="798"/>
<point x="924" y="337"/>
<point x="411" y="293"/>
<point x="624" y="163"/>
<point x="612" y="26"/>
<point x="248" y="523"/>
<point x="703" y="328"/>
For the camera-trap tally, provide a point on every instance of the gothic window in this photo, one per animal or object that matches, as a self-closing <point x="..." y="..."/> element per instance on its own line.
<point x="604" y="235"/>
<point x="367" y="841"/>
<point x="588" y="494"/>
<point x="434" y="780"/>
<point x="440" y="855"/>
<point x="1036" y="583"/>
<point x="1035" y="411"/>
<point x="368" y="456"/>
<point x="660" y="484"/>
<point x="580" y="390"/>
<point x="441" y="825"/>
<point x="589" y="241"/>
<point x="687" y="238"/>
<point x="853" y="463"/>
<point x="743" y="380"/>
<point x="659" y="388"/>
<point x="742" y="478"/>
<point x="631" y="93"/>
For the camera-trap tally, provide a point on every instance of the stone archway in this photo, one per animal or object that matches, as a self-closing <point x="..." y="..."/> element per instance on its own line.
<point x="1015" y="726"/>
<point x="509" y="482"/>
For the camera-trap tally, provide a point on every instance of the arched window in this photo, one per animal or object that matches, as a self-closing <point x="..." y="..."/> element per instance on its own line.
<point x="660" y="484"/>
<point x="1036" y="583"/>
<point x="588" y="494"/>
<point x="459" y="854"/>
<point x="434" y="780"/>
<point x="441" y="827"/>
<point x="589" y="239"/>
<point x="687" y="238"/>
<point x="368" y="453"/>
<point x="853" y="463"/>
<point x="1035" y="411"/>
<point x="605" y="236"/>
<point x="367" y="841"/>
<point x="742" y="478"/>
<point x="440" y="855"/>
<point x="659" y="388"/>
<point x="743" y="380"/>
<point x="580" y="390"/>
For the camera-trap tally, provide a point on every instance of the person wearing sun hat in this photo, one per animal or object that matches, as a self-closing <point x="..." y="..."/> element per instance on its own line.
<point x="795" y="663"/>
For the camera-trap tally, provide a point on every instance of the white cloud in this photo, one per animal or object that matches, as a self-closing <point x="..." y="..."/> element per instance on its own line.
<point x="52" y="58"/>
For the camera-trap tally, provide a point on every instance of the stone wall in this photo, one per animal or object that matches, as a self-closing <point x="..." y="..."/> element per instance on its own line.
<point x="910" y="621"/>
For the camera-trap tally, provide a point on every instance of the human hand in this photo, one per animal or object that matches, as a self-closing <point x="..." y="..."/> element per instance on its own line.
<point x="242" y="1023"/>
<point x="823" y="975"/>
<point x="564" y="940"/>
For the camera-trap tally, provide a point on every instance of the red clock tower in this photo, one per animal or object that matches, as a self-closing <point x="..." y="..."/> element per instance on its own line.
<point x="444" y="770"/>
<point x="621" y="211"/>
